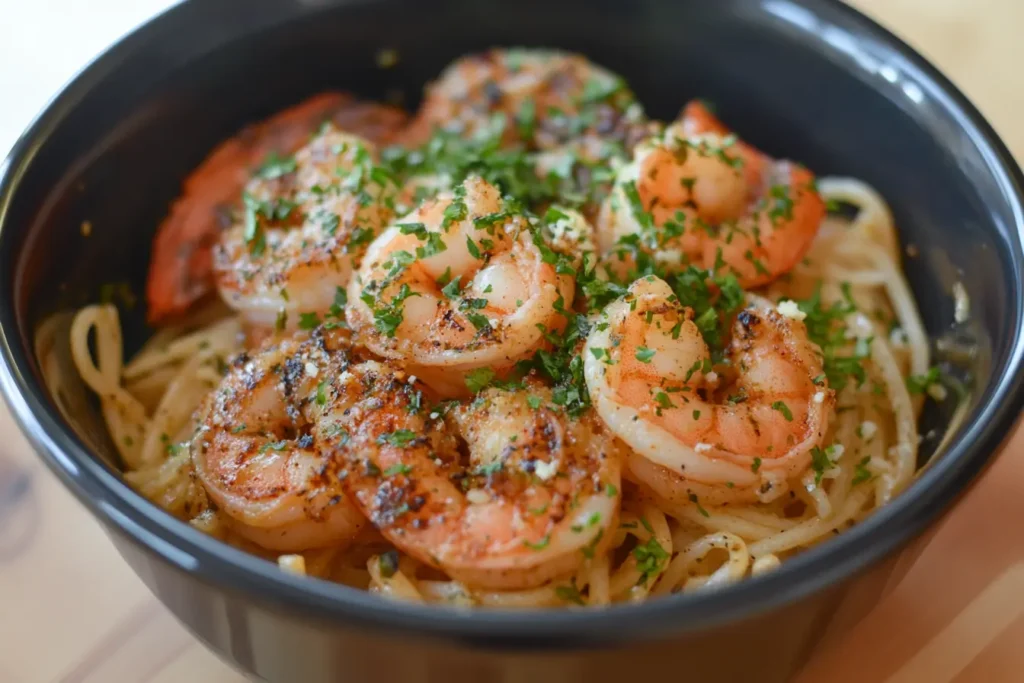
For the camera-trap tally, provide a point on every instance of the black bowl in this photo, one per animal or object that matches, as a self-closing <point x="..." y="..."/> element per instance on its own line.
<point x="810" y="79"/>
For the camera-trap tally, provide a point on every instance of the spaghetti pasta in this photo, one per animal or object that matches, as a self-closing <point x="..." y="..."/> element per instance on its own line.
<point x="656" y="546"/>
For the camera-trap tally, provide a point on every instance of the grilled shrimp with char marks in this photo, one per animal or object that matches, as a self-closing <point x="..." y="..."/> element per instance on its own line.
<point x="181" y="270"/>
<point x="302" y="232"/>
<point x="507" y="492"/>
<point x="255" y="451"/>
<point x="549" y="99"/>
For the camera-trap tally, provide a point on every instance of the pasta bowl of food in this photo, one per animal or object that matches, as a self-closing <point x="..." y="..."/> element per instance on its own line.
<point x="398" y="340"/>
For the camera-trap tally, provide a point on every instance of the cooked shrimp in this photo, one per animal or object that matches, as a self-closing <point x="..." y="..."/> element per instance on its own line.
<point x="548" y="98"/>
<point x="698" y="196"/>
<point x="255" y="453"/>
<point x="535" y="498"/>
<point x="181" y="269"/>
<point x="461" y="283"/>
<point x="735" y="435"/>
<point x="302" y="232"/>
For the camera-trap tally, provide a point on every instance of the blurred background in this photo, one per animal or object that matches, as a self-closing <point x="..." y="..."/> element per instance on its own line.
<point x="43" y="43"/>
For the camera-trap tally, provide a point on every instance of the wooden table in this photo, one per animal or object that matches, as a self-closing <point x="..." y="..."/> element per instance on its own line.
<point x="957" y="616"/>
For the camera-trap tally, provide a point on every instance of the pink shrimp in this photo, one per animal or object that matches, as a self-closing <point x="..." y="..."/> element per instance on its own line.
<point x="698" y="196"/>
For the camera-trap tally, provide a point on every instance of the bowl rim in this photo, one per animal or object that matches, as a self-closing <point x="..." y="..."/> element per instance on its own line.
<point x="233" y="571"/>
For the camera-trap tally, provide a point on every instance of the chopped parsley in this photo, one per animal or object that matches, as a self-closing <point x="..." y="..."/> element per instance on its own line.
<point x="714" y="300"/>
<point x="451" y="288"/>
<point x="308" y="321"/>
<point x="387" y="317"/>
<point x="337" y="309"/>
<point x="643" y="354"/>
<point x="591" y="548"/>
<point x="526" y="118"/>
<point x="599" y="88"/>
<point x="456" y="210"/>
<point x="784" y="409"/>
<point x="563" y="365"/>
<point x="252" y="233"/>
<point x="387" y="563"/>
<point x="821" y="460"/>
<point x="662" y="400"/>
<point x="918" y="384"/>
<point x="400" y="468"/>
<point x="650" y="557"/>
<point x="570" y="593"/>
<point x="861" y="473"/>
<point x="513" y="171"/>
<point x="826" y="328"/>
<point x="539" y="545"/>
<point x="329" y="222"/>
<point x="275" y="166"/>
<point x="636" y="206"/>
<point x="435" y="245"/>
<point x="490" y="468"/>
<point x="479" y="379"/>
<point x="400" y="438"/>
<point x="696" y="501"/>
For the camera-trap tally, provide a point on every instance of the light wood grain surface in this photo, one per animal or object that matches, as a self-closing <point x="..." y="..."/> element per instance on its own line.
<point x="958" y="616"/>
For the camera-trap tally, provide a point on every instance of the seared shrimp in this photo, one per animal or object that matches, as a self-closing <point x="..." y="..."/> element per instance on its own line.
<point x="181" y="269"/>
<point x="461" y="283"/>
<point x="303" y="231"/>
<point x="537" y="495"/>
<point x="547" y="97"/>
<point x="698" y="196"/>
<point x="735" y="435"/>
<point x="255" y="453"/>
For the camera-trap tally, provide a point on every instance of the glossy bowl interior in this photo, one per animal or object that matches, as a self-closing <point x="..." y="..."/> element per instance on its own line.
<point x="806" y="79"/>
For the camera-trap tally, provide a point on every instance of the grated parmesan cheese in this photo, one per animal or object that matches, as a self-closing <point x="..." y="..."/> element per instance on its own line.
<point x="545" y="470"/>
<point x="788" y="308"/>
<point x="477" y="496"/>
